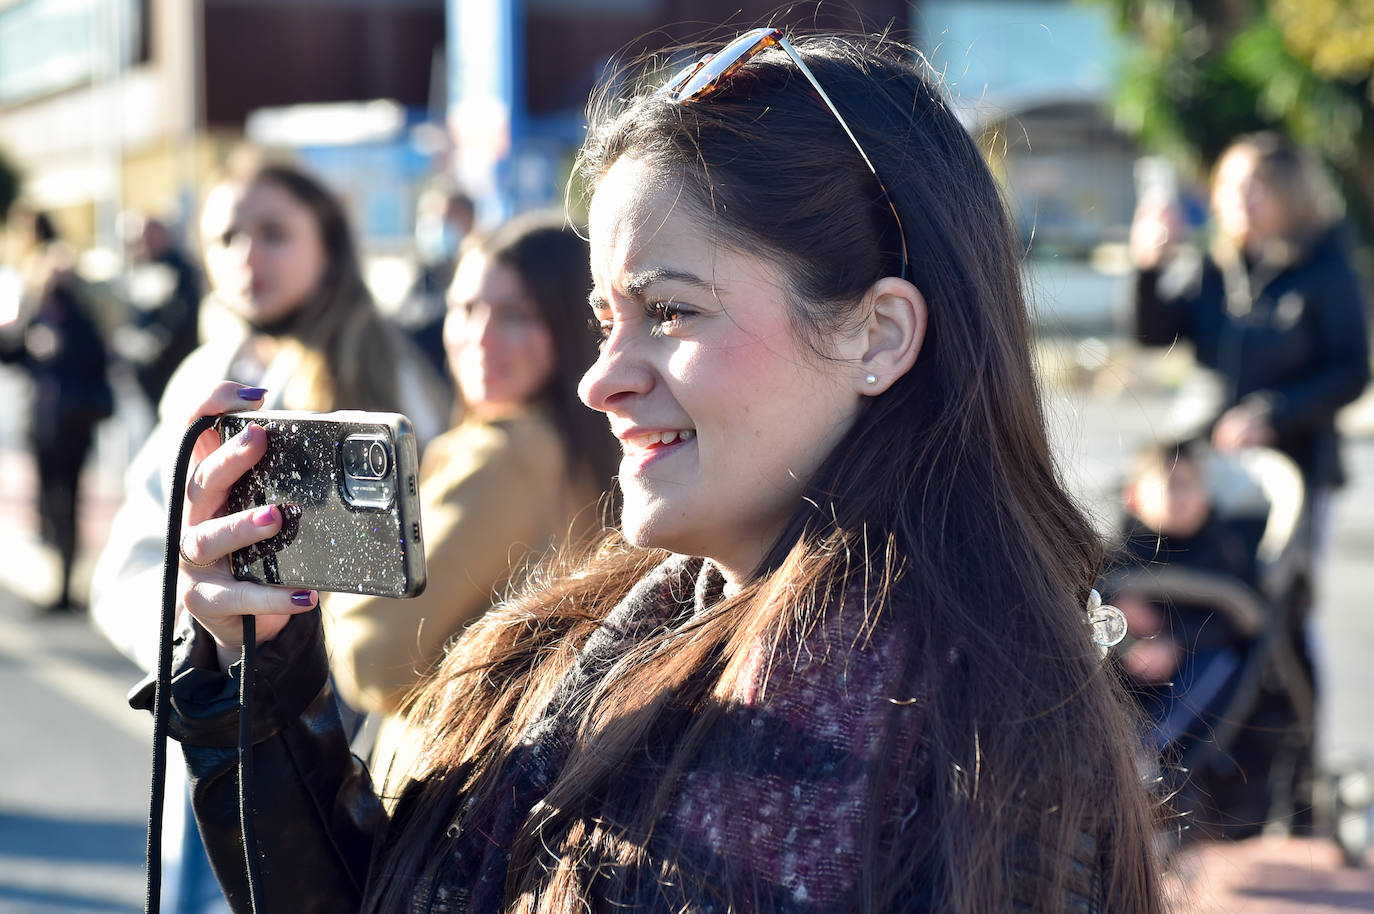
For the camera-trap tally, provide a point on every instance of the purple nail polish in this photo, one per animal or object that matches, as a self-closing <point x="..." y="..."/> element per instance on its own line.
<point x="251" y="393"/>
<point x="303" y="598"/>
<point x="265" y="517"/>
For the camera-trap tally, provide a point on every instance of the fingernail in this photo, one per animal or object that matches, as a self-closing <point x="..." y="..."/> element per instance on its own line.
<point x="265" y="517"/>
<point x="303" y="598"/>
<point x="251" y="393"/>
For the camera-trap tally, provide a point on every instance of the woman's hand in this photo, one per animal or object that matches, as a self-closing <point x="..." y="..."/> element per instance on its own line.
<point x="1153" y="656"/>
<point x="205" y="586"/>
<point x="1155" y="231"/>
<point x="1240" y="426"/>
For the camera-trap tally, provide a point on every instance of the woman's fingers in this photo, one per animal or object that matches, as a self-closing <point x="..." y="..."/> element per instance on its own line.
<point x="227" y="397"/>
<point x="212" y="539"/>
<point x="219" y="603"/>
<point x="208" y="487"/>
<point x="224" y="397"/>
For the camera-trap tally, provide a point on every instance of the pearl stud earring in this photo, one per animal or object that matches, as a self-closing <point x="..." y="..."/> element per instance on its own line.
<point x="871" y="379"/>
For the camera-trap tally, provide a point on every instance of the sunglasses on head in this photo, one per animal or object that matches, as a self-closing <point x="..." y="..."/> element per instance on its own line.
<point x="707" y="75"/>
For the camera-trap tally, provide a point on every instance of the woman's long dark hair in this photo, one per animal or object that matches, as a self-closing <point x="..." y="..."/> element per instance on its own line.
<point x="943" y="502"/>
<point x="552" y="262"/>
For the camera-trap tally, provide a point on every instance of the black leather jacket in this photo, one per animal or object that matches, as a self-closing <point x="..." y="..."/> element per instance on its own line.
<point x="318" y="817"/>
<point x="317" y="812"/>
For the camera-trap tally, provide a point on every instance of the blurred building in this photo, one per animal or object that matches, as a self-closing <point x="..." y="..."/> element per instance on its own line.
<point x="108" y="104"/>
<point x="1033" y="80"/>
<point x="521" y="72"/>
<point x="111" y="104"/>
<point x="116" y="104"/>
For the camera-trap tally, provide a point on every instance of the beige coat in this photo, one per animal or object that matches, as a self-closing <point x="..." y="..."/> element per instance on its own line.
<point x="495" y="496"/>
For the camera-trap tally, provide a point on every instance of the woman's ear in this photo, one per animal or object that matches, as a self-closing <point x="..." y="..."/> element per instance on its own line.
<point x="890" y="339"/>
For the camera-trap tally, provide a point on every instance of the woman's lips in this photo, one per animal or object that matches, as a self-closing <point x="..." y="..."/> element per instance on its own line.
<point x="647" y="440"/>
<point x="649" y="447"/>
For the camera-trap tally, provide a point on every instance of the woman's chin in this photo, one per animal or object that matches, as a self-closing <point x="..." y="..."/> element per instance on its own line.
<point x="641" y="529"/>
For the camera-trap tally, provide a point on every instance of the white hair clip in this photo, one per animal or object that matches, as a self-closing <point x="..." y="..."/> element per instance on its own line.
<point x="1107" y="622"/>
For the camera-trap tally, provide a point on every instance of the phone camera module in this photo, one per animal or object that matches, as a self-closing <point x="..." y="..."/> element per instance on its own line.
<point x="376" y="459"/>
<point x="366" y="457"/>
<point x="367" y="471"/>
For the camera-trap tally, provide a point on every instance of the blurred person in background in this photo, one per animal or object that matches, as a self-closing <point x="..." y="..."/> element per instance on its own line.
<point x="1183" y="654"/>
<point x="520" y="474"/>
<point x="51" y="334"/>
<point x="444" y="218"/>
<point x="281" y="262"/>
<point x="163" y="289"/>
<point x="1274" y="308"/>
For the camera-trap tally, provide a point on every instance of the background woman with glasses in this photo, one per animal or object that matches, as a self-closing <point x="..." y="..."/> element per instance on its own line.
<point x="837" y="655"/>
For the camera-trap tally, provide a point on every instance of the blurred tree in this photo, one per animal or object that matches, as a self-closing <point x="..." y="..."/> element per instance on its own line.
<point x="9" y="186"/>
<point x="1204" y="71"/>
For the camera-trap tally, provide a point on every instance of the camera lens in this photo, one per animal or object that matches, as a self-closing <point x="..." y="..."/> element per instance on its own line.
<point x="376" y="459"/>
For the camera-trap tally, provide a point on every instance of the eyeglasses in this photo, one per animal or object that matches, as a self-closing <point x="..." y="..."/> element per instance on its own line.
<point x="707" y="75"/>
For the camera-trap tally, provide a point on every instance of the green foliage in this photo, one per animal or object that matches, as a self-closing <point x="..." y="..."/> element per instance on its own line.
<point x="1186" y="95"/>
<point x="1335" y="36"/>
<point x="1203" y="71"/>
<point x="1288" y="93"/>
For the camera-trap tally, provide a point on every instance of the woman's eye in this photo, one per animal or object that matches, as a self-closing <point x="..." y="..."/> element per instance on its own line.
<point x="516" y="316"/>
<point x="600" y="329"/>
<point x="666" y="314"/>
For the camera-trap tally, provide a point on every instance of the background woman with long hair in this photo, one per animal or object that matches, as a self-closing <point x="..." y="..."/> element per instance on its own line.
<point x="839" y="658"/>
<point x="297" y="319"/>
<point x="522" y="472"/>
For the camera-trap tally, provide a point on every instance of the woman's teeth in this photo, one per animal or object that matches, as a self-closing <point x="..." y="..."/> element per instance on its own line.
<point x="657" y="439"/>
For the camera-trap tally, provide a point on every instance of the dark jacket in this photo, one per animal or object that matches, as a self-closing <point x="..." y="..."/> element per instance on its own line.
<point x="1222" y="547"/>
<point x="64" y="354"/>
<point x="169" y="323"/>
<point x="800" y="820"/>
<point x="1290" y="340"/>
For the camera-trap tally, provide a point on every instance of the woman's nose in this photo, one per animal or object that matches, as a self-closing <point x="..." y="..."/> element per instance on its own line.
<point x="485" y="330"/>
<point x="246" y="251"/>
<point x="468" y="326"/>
<point x="618" y="374"/>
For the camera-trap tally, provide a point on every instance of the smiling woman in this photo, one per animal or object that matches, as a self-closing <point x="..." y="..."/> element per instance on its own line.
<point x="837" y="658"/>
<point x="698" y="339"/>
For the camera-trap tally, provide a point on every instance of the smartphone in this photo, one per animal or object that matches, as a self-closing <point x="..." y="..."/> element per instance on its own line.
<point x="347" y="485"/>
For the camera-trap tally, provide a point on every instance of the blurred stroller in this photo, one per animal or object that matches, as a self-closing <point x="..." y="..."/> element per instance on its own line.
<point x="1216" y="584"/>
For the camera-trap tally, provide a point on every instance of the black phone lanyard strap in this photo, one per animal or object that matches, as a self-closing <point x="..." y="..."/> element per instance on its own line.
<point x="162" y="694"/>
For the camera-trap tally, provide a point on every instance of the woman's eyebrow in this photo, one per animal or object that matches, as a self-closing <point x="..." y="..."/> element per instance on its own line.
<point x="638" y="283"/>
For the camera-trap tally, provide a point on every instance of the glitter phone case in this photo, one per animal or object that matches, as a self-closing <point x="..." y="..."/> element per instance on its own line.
<point x="347" y="483"/>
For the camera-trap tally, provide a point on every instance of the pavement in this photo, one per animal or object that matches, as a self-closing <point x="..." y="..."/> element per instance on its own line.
<point x="1270" y="875"/>
<point x="74" y="761"/>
